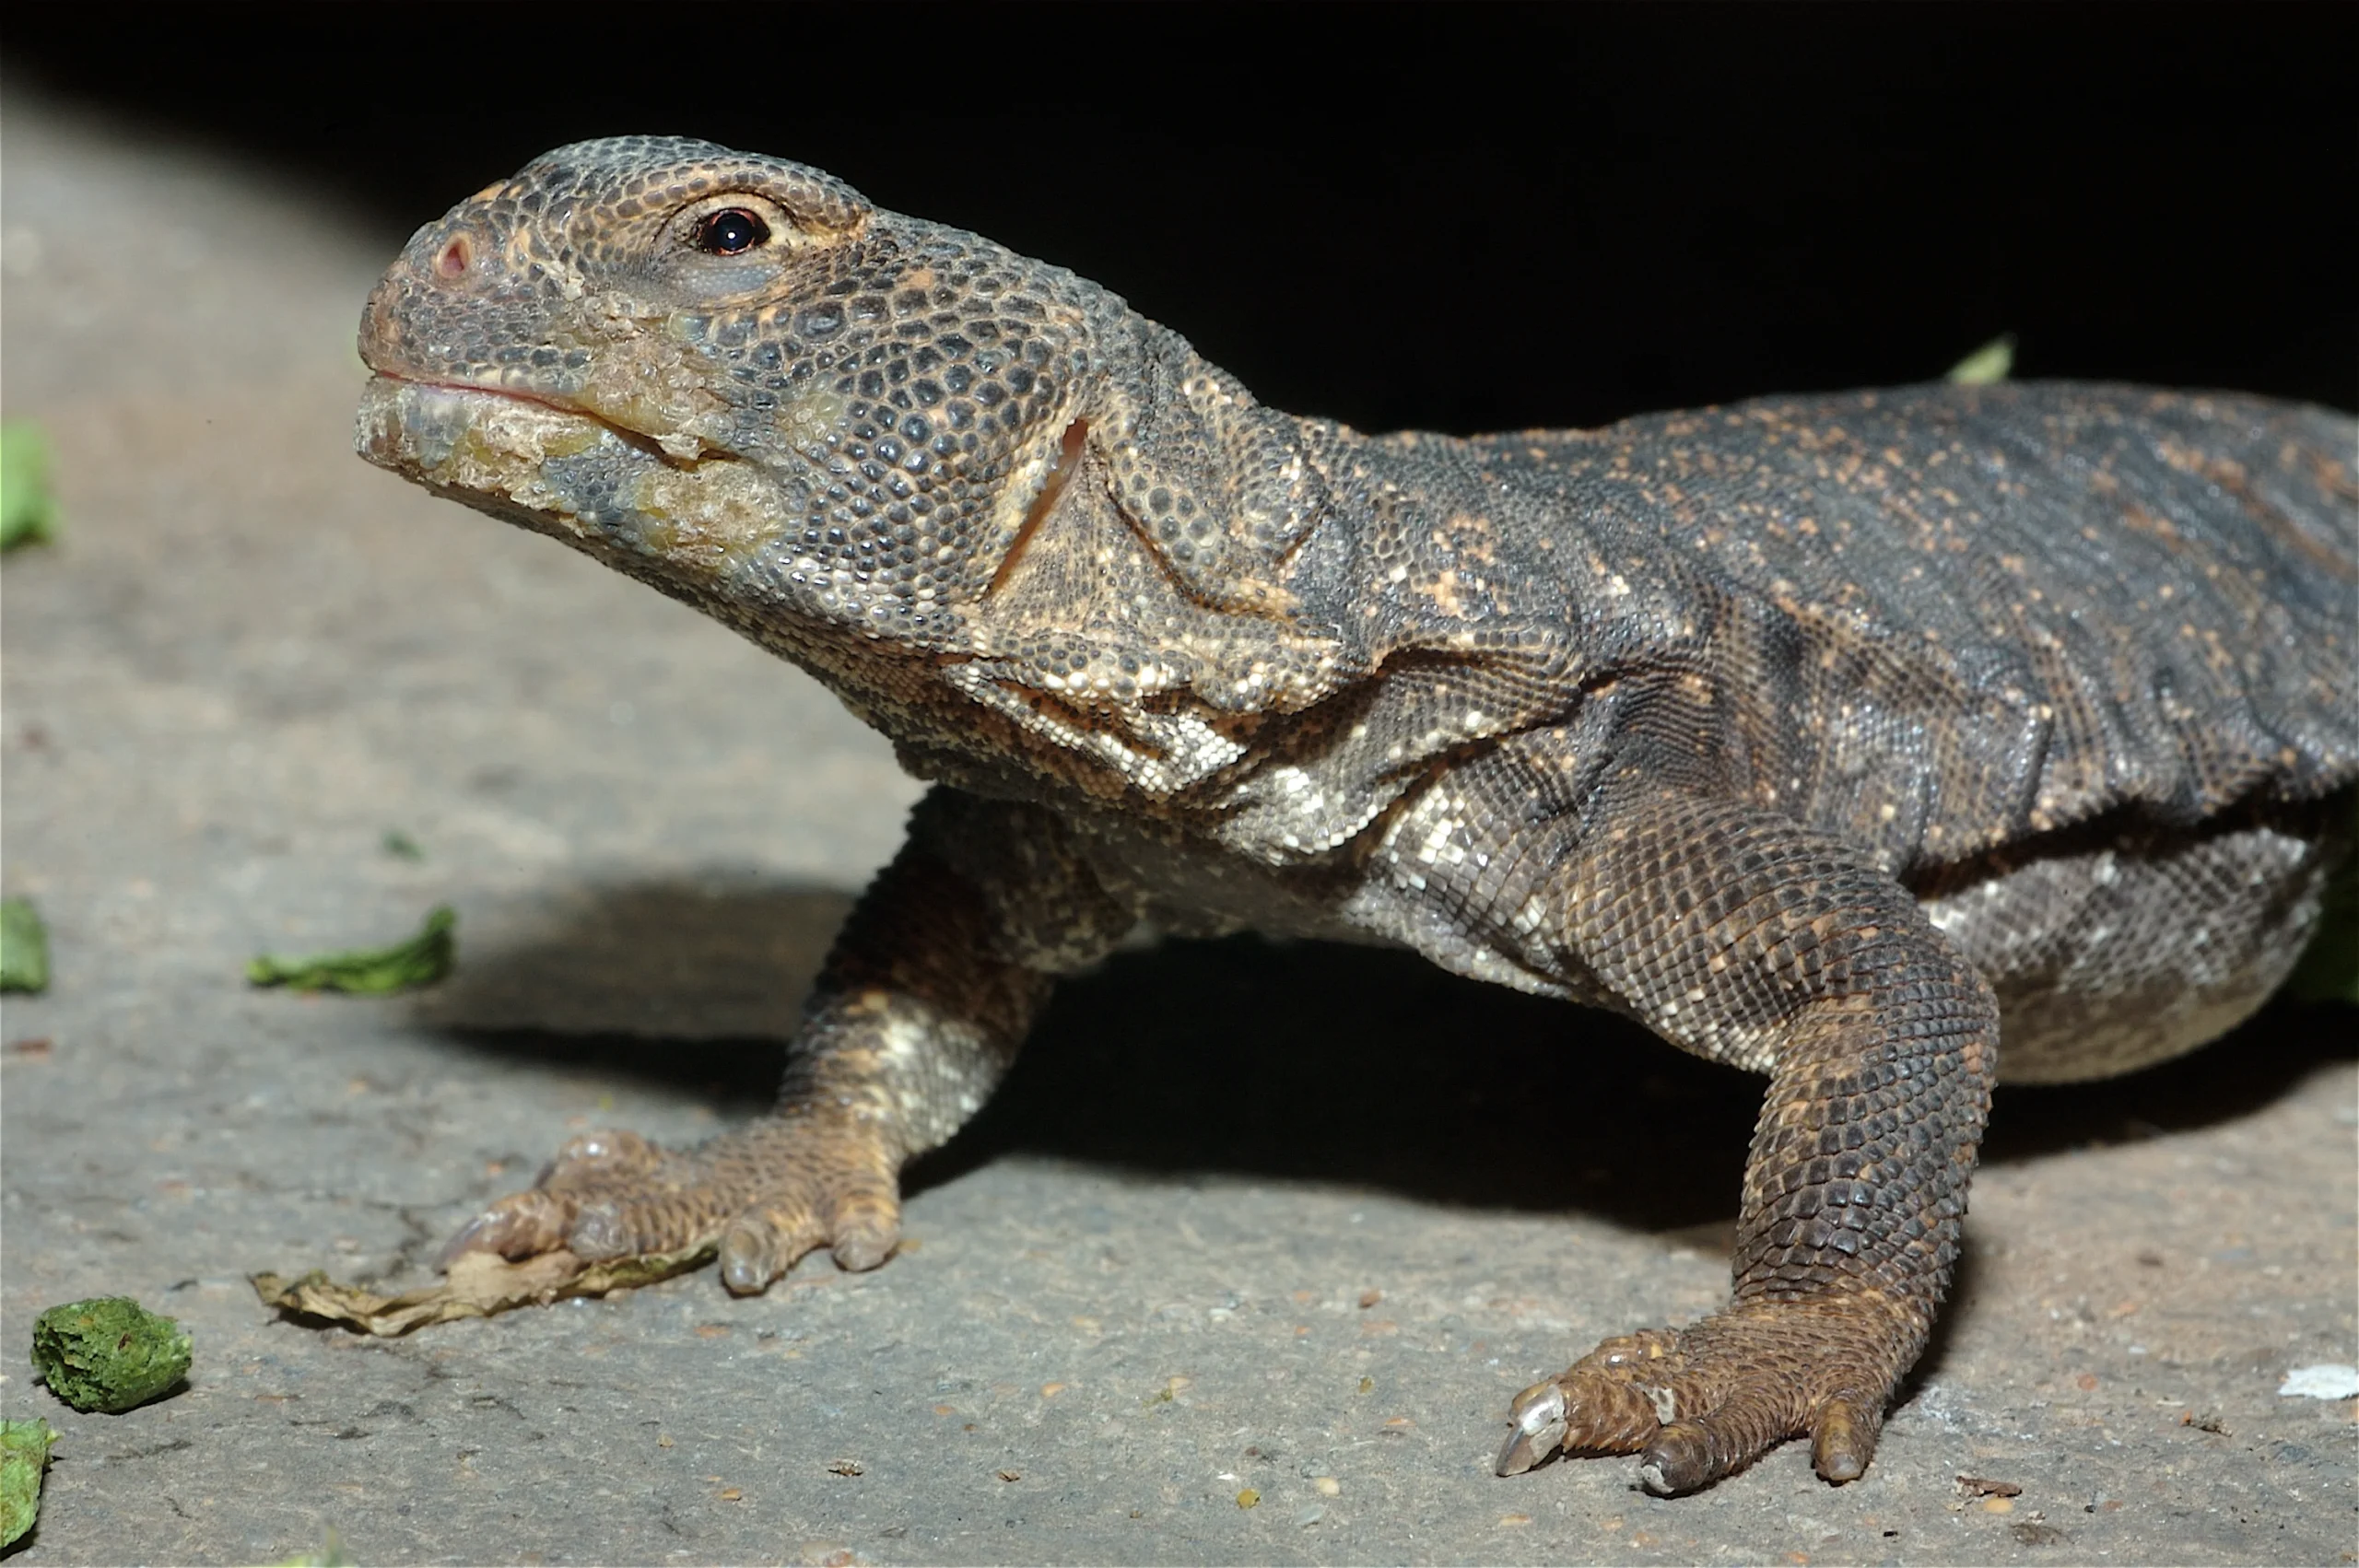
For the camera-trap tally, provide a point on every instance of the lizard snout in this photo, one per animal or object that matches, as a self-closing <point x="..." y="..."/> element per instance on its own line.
<point x="437" y="278"/>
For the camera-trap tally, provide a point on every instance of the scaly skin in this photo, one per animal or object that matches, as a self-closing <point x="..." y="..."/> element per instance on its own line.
<point x="1833" y="737"/>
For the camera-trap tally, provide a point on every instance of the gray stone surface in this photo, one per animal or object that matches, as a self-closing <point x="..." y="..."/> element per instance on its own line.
<point x="1288" y="1222"/>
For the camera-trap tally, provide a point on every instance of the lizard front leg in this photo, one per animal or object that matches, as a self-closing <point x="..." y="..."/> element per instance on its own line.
<point x="916" y="1016"/>
<point x="1742" y="935"/>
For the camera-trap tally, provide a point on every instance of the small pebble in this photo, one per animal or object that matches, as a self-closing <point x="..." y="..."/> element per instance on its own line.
<point x="2326" y="1380"/>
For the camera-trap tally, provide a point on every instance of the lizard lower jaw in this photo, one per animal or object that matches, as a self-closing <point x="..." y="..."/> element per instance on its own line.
<point x="570" y="475"/>
<point x="487" y="443"/>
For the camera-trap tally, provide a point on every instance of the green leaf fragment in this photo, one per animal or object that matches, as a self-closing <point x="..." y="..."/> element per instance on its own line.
<point x="24" y="1458"/>
<point x="108" y="1353"/>
<point x="401" y="845"/>
<point x="24" y="947"/>
<point x="1994" y="361"/>
<point x="330" y="1554"/>
<point x="27" y="508"/>
<point x="422" y="960"/>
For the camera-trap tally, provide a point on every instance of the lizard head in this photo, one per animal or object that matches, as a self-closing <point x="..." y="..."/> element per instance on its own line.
<point x="859" y="438"/>
<point x="730" y="374"/>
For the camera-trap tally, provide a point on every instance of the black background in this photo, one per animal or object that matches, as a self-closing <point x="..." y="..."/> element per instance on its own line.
<point x="1461" y="219"/>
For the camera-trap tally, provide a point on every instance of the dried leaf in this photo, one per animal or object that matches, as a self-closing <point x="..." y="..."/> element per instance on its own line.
<point x="1982" y="1486"/>
<point x="476" y="1285"/>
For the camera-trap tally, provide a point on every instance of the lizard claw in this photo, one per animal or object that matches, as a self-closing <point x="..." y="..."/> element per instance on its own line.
<point x="1538" y="1416"/>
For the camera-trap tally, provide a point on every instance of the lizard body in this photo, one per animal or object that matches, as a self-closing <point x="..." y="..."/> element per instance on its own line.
<point x="1885" y="742"/>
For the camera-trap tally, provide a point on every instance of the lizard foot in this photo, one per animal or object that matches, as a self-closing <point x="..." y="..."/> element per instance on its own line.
<point x="766" y="1194"/>
<point x="1703" y="1402"/>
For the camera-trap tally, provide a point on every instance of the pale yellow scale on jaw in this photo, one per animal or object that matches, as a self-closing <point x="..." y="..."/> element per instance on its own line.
<point x="713" y="517"/>
<point x="647" y="383"/>
<point x="810" y="417"/>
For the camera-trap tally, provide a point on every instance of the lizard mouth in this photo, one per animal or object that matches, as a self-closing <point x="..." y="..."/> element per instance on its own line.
<point x="648" y="441"/>
<point x="611" y="491"/>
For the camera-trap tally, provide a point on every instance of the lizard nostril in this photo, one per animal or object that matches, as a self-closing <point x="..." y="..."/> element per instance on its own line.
<point x="454" y="258"/>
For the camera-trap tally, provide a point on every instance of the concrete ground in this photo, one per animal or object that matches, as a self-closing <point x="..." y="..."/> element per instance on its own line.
<point x="1243" y="1265"/>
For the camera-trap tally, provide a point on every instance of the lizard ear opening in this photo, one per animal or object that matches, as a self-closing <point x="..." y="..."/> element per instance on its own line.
<point x="1216" y="484"/>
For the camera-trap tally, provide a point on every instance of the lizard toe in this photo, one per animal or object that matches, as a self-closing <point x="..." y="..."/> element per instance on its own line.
<point x="859" y="1220"/>
<point x="1605" y="1414"/>
<point x="1608" y="1402"/>
<point x="1843" y="1436"/>
<point x="867" y="1225"/>
<point x="523" y="1224"/>
<point x="1691" y="1454"/>
<point x="766" y="1240"/>
<point x="554" y="1210"/>
<point x="607" y="1157"/>
<point x="1536" y="1428"/>
<point x="607" y="1195"/>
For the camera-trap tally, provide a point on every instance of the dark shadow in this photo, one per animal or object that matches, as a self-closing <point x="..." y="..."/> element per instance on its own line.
<point x="2234" y="1076"/>
<point x="1317" y="1061"/>
<point x="738" y="1076"/>
<point x="1292" y="1060"/>
<point x="695" y="984"/>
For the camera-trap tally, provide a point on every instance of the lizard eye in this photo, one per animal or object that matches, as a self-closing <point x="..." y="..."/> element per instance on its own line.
<point x="732" y="231"/>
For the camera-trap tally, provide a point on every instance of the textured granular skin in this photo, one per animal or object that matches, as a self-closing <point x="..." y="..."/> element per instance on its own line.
<point x="1883" y="743"/>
